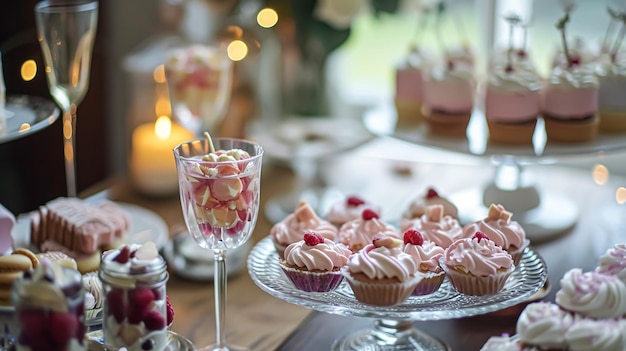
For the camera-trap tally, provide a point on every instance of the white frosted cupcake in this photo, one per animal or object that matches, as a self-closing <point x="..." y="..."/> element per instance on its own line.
<point x="591" y="334"/>
<point x="544" y="324"/>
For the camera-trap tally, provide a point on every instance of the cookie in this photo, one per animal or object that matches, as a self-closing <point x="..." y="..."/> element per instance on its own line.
<point x="31" y="256"/>
<point x="89" y="263"/>
<point x="60" y="257"/>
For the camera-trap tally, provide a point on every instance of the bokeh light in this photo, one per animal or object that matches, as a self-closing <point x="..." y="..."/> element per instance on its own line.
<point x="267" y="18"/>
<point x="600" y="174"/>
<point x="237" y="50"/>
<point x="28" y="70"/>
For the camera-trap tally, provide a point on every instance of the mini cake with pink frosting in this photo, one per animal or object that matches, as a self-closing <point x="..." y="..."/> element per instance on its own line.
<point x="477" y="266"/>
<point x="313" y="264"/>
<point x="357" y="233"/>
<point x="434" y="226"/>
<point x="292" y="228"/>
<point x="427" y="256"/>
<point x="448" y="100"/>
<point x="417" y="207"/>
<point x="613" y="262"/>
<point x="503" y="231"/>
<point x="381" y="274"/>
<point x="349" y="209"/>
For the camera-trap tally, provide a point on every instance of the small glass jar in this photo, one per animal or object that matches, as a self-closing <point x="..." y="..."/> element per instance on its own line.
<point x="134" y="314"/>
<point x="49" y="309"/>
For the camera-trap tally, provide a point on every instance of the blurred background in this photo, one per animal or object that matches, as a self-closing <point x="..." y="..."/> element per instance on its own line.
<point x="295" y="58"/>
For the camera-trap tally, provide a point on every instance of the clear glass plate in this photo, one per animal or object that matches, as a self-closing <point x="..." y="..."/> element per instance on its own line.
<point x="528" y="278"/>
<point x="25" y="115"/>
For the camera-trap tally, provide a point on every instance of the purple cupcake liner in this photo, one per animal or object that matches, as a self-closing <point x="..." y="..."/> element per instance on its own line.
<point x="313" y="281"/>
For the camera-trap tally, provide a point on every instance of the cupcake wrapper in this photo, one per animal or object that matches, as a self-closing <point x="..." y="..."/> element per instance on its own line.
<point x="381" y="294"/>
<point x="429" y="284"/>
<point x="313" y="281"/>
<point x="469" y="284"/>
<point x="519" y="253"/>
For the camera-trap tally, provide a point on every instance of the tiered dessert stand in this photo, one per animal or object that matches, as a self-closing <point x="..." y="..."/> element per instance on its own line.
<point x="24" y="115"/>
<point x="393" y="327"/>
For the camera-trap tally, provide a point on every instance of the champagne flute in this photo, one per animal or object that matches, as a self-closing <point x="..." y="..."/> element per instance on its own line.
<point x="66" y="30"/>
<point x="219" y="192"/>
<point x="199" y="81"/>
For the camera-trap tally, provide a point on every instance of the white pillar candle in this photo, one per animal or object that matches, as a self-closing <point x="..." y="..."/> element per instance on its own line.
<point x="152" y="163"/>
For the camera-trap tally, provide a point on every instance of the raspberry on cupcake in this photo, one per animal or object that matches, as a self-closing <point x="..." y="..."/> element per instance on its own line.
<point x="434" y="226"/>
<point x="349" y="209"/>
<point x="313" y="264"/>
<point x="381" y="274"/>
<point x="418" y="206"/>
<point x="426" y="255"/>
<point x="477" y="266"/>
<point x="357" y="233"/>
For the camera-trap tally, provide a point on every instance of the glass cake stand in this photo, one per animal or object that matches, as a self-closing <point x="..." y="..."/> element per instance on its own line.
<point x="393" y="327"/>
<point x="24" y="115"/>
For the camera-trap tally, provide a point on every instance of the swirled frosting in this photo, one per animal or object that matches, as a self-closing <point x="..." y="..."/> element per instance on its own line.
<point x="359" y="232"/>
<point x="592" y="294"/>
<point x="326" y="256"/>
<point x="501" y="343"/>
<point x="572" y="78"/>
<point x="304" y="218"/>
<point x="499" y="227"/>
<point x="598" y="335"/>
<point x="442" y="231"/>
<point x="383" y="262"/>
<point x="519" y="80"/>
<point x="613" y="262"/>
<point x="544" y="324"/>
<point x="480" y="257"/>
<point x="348" y="209"/>
<point x="426" y="255"/>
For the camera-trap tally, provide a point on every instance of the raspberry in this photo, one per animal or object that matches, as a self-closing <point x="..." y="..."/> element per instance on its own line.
<point x="34" y="319"/>
<point x="354" y="201"/>
<point x="369" y="214"/>
<point x="479" y="236"/>
<point x="63" y="327"/>
<point x="170" y="310"/>
<point x="312" y="238"/>
<point x="521" y="53"/>
<point x="154" y="321"/>
<point x="431" y="194"/>
<point x="413" y="237"/>
<point x="123" y="256"/>
<point x="574" y="61"/>
<point x="115" y="304"/>
<point x="139" y="300"/>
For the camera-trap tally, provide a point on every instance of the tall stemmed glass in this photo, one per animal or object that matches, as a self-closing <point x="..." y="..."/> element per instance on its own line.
<point x="219" y="191"/>
<point x="199" y="80"/>
<point x="66" y="30"/>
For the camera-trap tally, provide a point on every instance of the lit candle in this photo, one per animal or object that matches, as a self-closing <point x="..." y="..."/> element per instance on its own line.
<point x="152" y="164"/>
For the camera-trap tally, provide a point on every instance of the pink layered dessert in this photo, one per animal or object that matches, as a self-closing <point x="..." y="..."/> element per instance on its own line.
<point x="449" y="89"/>
<point x="570" y="94"/>
<point x="512" y="96"/>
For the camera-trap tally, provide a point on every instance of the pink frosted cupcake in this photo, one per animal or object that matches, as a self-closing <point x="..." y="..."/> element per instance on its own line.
<point x="434" y="226"/>
<point x="313" y="264"/>
<point x="426" y="255"/>
<point x="477" y="266"/>
<point x="382" y="274"/>
<point x="349" y="209"/>
<point x="499" y="227"/>
<point x="292" y="228"/>
<point x="613" y="262"/>
<point x="417" y="207"/>
<point x="357" y="233"/>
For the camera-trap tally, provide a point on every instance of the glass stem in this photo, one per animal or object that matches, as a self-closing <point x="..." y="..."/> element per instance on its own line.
<point x="219" y="282"/>
<point x="69" y="146"/>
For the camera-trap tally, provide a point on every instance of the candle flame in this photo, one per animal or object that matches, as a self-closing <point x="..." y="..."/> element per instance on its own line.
<point x="163" y="127"/>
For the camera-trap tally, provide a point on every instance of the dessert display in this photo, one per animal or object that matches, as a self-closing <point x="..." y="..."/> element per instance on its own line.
<point x="292" y="228"/>
<point x="348" y="209"/>
<point x="477" y="266"/>
<point x="49" y="308"/>
<point x="357" y="233"/>
<point x="434" y="226"/>
<point x="448" y="99"/>
<point x="570" y="99"/>
<point x="426" y="255"/>
<point x="381" y="274"/>
<point x="11" y="268"/>
<point x="79" y="229"/>
<point x="417" y="207"/>
<point x="313" y="264"/>
<point x="502" y="230"/>
<point x="134" y="307"/>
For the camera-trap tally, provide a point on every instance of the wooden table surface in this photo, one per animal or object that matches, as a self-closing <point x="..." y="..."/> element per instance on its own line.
<point x="390" y="176"/>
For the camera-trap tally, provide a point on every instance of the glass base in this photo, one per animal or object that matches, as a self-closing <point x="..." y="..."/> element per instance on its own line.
<point x="390" y="335"/>
<point x="227" y="348"/>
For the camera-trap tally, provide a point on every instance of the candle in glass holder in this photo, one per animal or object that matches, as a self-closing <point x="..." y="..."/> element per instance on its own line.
<point x="152" y="164"/>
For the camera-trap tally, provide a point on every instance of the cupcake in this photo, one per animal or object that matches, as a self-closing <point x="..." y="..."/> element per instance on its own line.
<point x="357" y="233"/>
<point x="291" y="229"/>
<point x="499" y="227"/>
<point x="417" y="207"/>
<point x="313" y="264"/>
<point x="448" y="100"/>
<point x="613" y="262"/>
<point x="349" y="209"/>
<point x="544" y="324"/>
<point x="601" y="335"/>
<point x="409" y="87"/>
<point x="434" y="226"/>
<point x="592" y="294"/>
<point x="477" y="266"/>
<point x="381" y="274"/>
<point x="426" y="255"/>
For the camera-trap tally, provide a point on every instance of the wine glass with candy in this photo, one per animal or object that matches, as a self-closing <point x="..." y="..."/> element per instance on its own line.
<point x="219" y="183"/>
